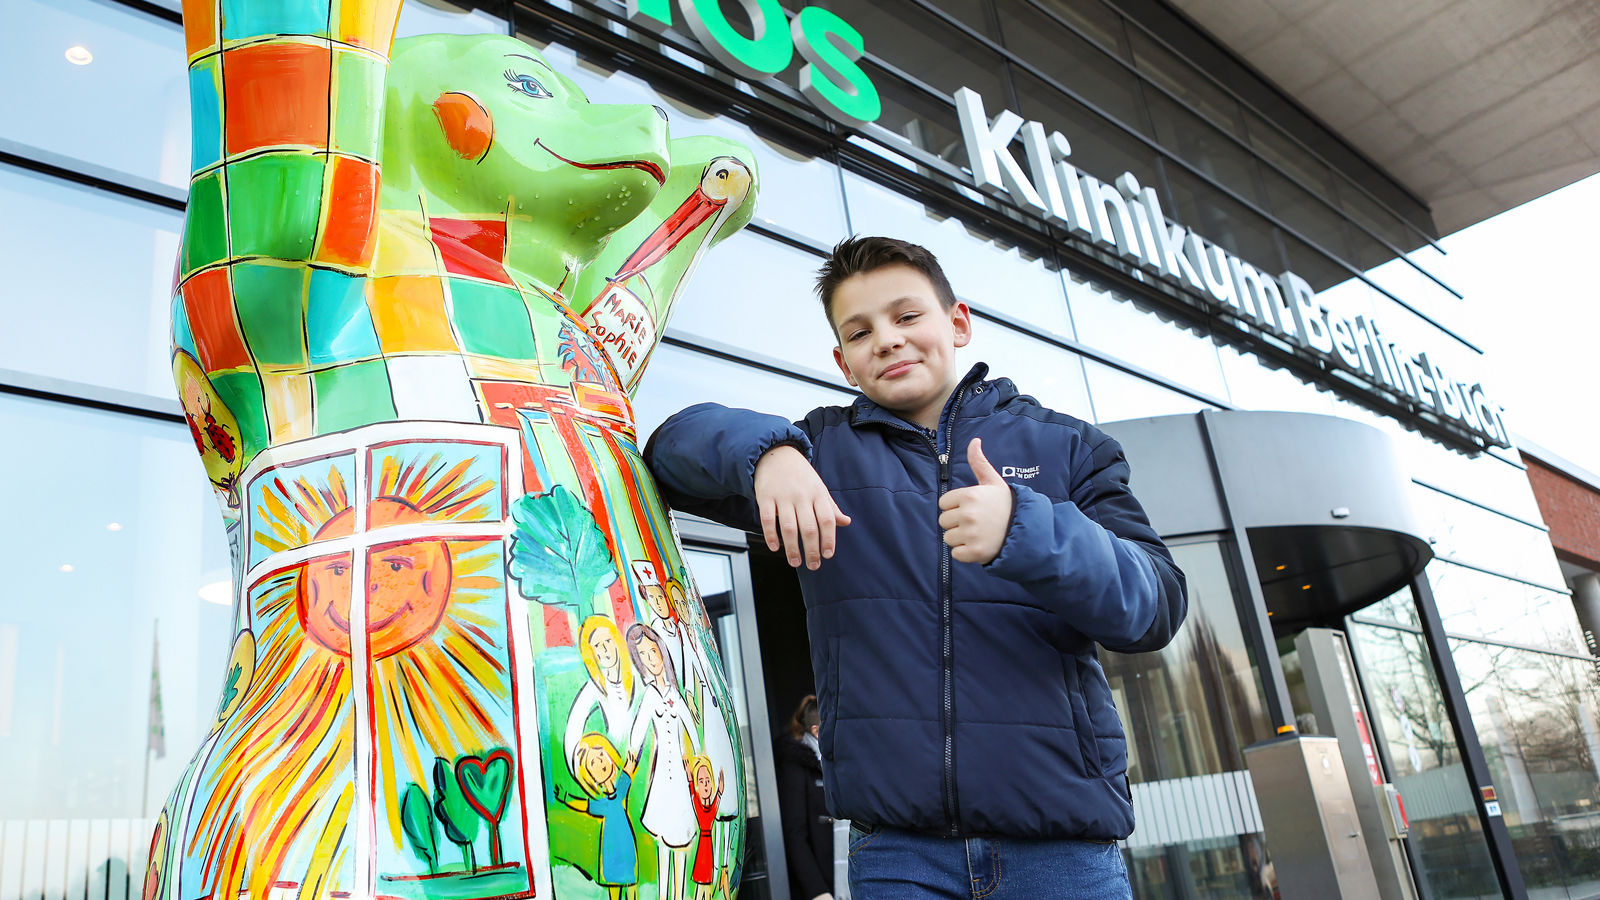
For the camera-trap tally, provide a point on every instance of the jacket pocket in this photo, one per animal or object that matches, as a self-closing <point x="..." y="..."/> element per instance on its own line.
<point x="828" y="699"/>
<point x="1082" y="725"/>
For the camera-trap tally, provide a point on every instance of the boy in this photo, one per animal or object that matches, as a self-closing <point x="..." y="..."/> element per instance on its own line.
<point x="968" y="731"/>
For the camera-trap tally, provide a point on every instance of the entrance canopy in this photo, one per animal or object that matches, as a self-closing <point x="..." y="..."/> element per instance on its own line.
<point x="1321" y="501"/>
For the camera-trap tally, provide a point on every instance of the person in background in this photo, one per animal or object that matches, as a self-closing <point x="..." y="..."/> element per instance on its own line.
<point x="807" y="827"/>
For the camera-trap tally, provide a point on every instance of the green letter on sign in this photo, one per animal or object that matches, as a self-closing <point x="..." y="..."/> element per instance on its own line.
<point x="768" y="53"/>
<point x="831" y="46"/>
<point x="655" y="15"/>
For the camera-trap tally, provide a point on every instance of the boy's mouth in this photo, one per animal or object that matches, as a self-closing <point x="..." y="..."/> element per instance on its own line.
<point x="898" y="369"/>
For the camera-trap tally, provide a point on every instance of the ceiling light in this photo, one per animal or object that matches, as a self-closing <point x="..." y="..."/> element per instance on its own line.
<point x="1279" y="568"/>
<point x="1305" y="587"/>
<point x="79" y="55"/>
<point x="114" y="526"/>
<point x="66" y="567"/>
<point x="218" y="592"/>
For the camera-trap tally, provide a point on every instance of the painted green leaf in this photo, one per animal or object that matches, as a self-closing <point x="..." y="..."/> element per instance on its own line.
<point x="231" y="689"/>
<point x="558" y="554"/>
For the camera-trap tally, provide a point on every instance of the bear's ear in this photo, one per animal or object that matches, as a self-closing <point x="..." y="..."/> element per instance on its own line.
<point x="467" y="125"/>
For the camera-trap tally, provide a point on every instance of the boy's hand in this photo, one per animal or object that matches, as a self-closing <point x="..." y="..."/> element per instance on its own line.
<point x="796" y="507"/>
<point x="975" y="518"/>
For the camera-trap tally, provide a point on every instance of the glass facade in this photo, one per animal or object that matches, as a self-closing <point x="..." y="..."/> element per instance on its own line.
<point x="116" y="549"/>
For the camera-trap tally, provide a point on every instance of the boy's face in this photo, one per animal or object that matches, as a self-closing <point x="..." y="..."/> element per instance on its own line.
<point x="897" y="343"/>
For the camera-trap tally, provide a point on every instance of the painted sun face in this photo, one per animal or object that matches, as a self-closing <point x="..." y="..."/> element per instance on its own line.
<point x="605" y="649"/>
<point x="407" y="587"/>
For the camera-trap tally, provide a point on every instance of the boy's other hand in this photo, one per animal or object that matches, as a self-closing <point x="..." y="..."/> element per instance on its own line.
<point x="975" y="518"/>
<point x="798" y="514"/>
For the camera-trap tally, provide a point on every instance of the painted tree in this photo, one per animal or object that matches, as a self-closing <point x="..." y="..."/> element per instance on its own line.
<point x="558" y="553"/>
<point x="486" y="785"/>
<point x="416" y="817"/>
<point x="459" y="819"/>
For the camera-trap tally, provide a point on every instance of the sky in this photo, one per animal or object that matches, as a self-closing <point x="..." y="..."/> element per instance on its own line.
<point x="1529" y="276"/>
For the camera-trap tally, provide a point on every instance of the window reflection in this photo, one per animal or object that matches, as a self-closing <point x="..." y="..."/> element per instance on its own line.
<point x="114" y="313"/>
<point x="1536" y="716"/>
<point x="114" y="579"/>
<point x="1074" y="63"/>
<point x="1118" y="395"/>
<point x="1137" y="334"/>
<point x="1466" y="533"/>
<point x="761" y="302"/>
<point x="1448" y="849"/>
<point x="1050" y="374"/>
<point x="1477" y="603"/>
<point x="84" y="111"/>
<point x="1190" y="710"/>
<point x="678" y="378"/>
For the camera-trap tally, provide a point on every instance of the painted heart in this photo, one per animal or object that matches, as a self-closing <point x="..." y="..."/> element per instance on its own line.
<point x="486" y="782"/>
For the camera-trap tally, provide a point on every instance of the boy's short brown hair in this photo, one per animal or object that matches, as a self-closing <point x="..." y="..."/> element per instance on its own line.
<point x="856" y="255"/>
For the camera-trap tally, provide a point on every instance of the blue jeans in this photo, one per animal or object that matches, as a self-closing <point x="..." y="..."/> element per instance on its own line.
<point x="892" y="864"/>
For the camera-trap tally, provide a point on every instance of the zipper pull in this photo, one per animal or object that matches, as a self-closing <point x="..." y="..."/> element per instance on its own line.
<point x="944" y="459"/>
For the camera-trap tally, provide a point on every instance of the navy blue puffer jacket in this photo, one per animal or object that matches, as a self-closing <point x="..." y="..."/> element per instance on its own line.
<point x="957" y="698"/>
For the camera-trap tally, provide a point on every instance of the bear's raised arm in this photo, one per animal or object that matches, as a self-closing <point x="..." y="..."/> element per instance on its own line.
<point x="287" y="118"/>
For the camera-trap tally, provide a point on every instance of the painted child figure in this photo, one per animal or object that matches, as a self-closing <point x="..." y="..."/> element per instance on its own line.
<point x="606" y="780"/>
<point x="707" y="792"/>
<point x="954" y="621"/>
<point x="417" y="283"/>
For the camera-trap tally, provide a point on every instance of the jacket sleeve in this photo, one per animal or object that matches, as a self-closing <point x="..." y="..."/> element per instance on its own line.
<point x="704" y="460"/>
<point x="797" y="831"/>
<point x="1096" y="559"/>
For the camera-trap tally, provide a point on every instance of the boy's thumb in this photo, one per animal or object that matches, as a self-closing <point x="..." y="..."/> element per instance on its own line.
<point x="985" y="473"/>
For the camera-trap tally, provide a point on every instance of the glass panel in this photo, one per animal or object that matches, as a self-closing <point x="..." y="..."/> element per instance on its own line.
<point x="1478" y="604"/>
<point x="905" y="36"/>
<point x="798" y="192"/>
<point x="1050" y="374"/>
<point x="678" y="378"/>
<point x="1073" y="62"/>
<point x="117" y="589"/>
<point x="1482" y="478"/>
<point x="980" y="271"/>
<point x="111" y="302"/>
<point x="1099" y="148"/>
<point x="1536" y="717"/>
<point x="1191" y="709"/>
<point x="1191" y="86"/>
<point x="436" y="17"/>
<point x="713" y="576"/>
<point x="1253" y="385"/>
<point x="924" y="120"/>
<point x="1448" y="850"/>
<point x="1094" y="20"/>
<point x="1139" y="334"/>
<point x="121" y="103"/>
<point x="1224" y="221"/>
<point x="1293" y="159"/>
<point x="1118" y="395"/>
<point x="1205" y="148"/>
<point x="1476" y="536"/>
<point x="1299" y="210"/>
<point x="761" y="302"/>
<point x="1320" y="270"/>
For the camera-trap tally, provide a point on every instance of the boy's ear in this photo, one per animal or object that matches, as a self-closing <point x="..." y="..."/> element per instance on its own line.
<point x="961" y="322"/>
<point x="838" y="360"/>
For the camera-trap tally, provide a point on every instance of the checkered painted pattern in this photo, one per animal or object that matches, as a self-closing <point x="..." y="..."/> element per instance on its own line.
<point x="308" y="311"/>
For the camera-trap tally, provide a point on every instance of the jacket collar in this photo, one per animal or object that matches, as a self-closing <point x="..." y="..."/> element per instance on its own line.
<point x="981" y="397"/>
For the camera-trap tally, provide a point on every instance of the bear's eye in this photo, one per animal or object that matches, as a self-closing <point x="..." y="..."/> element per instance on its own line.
<point x="526" y="84"/>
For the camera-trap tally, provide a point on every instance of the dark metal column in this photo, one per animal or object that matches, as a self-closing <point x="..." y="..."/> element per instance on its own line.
<point x="1472" y="759"/>
<point x="1253" y="604"/>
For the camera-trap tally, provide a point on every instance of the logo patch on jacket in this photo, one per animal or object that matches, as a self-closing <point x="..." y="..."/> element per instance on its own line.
<point x="1019" y="472"/>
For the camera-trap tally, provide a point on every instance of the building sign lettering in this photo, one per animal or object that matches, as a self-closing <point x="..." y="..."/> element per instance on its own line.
<point x="1127" y="218"/>
<point x="830" y="77"/>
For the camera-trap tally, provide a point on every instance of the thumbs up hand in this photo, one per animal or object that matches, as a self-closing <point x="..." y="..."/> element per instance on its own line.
<point x="974" y="518"/>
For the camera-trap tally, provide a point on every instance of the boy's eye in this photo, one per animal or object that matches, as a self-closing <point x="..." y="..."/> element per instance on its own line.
<point x="855" y="335"/>
<point x="526" y="84"/>
<point x="908" y="317"/>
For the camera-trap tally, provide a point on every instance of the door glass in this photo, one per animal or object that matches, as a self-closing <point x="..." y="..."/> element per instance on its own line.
<point x="1190" y="711"/>
<point x="1448" y="849"/>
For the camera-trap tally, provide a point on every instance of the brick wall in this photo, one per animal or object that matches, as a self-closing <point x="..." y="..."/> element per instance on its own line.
<point x="1572" y="510"/>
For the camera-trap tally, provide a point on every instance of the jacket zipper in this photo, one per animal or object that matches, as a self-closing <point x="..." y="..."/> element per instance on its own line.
<point x="947" y="621"/>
